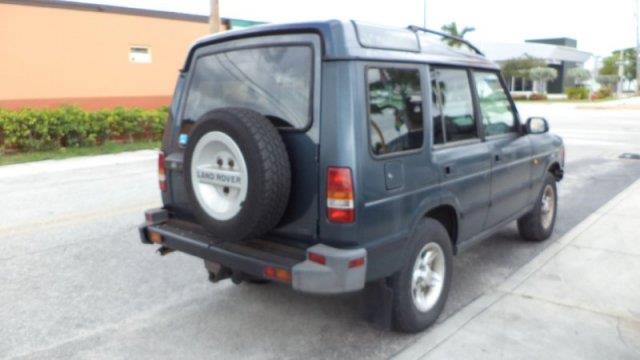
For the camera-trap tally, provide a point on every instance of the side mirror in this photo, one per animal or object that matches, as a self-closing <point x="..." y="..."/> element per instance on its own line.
<point x="537" y="125"/>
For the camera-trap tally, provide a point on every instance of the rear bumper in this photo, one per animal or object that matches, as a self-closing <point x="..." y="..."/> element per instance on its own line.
<point x="260" y="258"/>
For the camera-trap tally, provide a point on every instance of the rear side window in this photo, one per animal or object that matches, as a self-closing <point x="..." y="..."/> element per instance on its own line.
<point x="452" y="105"/>
<point x="274" y="81"/>
<point x="497" y="114"/>
<point x="395" y="109"/>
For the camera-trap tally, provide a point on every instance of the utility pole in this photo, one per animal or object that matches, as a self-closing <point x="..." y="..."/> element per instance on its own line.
<point x="620" y="72"/>
<point x="214" y="17"/>
<point x="424" y="13"/>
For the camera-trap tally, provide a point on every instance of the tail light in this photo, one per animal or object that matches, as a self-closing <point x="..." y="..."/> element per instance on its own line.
<point x="162" y="177"/>
<point x="340" y="207"/>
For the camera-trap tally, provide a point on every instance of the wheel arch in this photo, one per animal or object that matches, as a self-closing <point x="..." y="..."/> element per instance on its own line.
<point x="556" y="170"/>
<point x="446" y="215"/>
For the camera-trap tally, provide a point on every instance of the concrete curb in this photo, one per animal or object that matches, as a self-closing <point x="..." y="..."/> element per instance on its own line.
<point x="75" y="163"/>
<point x="449" y="327"/>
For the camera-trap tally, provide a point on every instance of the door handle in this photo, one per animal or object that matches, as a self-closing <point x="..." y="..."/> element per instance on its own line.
<point x="448" y="170"/>
<point x="497" y="157"/>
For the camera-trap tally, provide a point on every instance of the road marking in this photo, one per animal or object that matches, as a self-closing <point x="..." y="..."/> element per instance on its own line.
<point x="74" y="219"/>
<point x="562" y="131"/>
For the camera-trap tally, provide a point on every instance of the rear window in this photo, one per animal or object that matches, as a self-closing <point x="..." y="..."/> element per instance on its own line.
<point x="274" y="81"/>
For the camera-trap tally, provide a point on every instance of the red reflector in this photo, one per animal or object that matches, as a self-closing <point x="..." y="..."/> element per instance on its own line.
<point x="277" y="274"/>
<point x="317" y="258"/>
<point x="356" y="263"/>
<point x="162" y="178"/>
<point x="283" y="275"/>
<point x="269" y="272"/>
<point x="340" y="195"/>
<point x="341" y="216"/>
<point x="155" y="238"/>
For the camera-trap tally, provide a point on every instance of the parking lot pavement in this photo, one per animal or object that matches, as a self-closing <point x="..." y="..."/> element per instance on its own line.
<point x="578" y="299"/>
<point x="75" y="281"/>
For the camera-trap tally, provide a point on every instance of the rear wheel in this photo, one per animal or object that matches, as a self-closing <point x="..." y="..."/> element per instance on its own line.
<point x="422" y="286"/>
<point x="538" y="224"/>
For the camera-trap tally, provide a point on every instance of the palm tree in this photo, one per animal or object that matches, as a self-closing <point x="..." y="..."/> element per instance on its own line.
<point x="452" y="29"/>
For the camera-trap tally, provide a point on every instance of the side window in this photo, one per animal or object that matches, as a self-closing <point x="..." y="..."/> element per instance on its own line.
<point x="452" y="105"/>
<point x="497" y="114"/>
<point x="395" y="110"/>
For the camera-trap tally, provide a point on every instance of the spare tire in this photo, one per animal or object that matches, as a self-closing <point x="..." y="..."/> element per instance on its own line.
<point x="237" y="173"/>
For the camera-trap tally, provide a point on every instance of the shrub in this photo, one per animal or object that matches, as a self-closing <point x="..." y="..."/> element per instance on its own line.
<point x="602" y="93"/>
<point x="69" y="126"/>
<point x="577" y="93"/>
<point x="517" y="97"/>
<point x="578" y="75"/>
<point x="536" y="97"/>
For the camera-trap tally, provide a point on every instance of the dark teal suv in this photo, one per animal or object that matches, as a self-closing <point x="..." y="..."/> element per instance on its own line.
<point x="333" y="156"/>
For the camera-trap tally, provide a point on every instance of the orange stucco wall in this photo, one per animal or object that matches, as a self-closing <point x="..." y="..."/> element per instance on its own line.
<point x="53" y="53"/>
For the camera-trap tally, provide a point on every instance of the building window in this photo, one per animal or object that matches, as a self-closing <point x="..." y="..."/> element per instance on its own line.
<point x="140" y="54"/>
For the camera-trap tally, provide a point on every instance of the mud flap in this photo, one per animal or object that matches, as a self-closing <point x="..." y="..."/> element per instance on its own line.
<point x="376" y="304"/>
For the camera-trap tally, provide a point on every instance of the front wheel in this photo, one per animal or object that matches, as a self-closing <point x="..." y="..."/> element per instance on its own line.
<point x="422" y="286"/>
<point x="537" y="225"/>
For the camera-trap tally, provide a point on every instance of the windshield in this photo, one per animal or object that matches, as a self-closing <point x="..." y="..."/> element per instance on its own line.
<point x="274" y="81"/>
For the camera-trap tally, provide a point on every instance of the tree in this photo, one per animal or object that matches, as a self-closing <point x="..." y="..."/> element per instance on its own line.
<point x="610" y="63"/>
<point x="519" y="68"/>
<point x="542" y="75"/>
<point x="578" y="75"/>
<point x="452" y="29"/>
<point x="607" y="80"/>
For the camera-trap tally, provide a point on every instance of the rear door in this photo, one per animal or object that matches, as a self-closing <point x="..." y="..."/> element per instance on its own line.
<point x="510" y="152"/>
<point x="462" y="158"/>
<point x="277" y="76"/>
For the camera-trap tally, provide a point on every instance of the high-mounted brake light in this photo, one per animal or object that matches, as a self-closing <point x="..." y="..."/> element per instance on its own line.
<point x="340" y="207"/>
<point x="162" y="177"/>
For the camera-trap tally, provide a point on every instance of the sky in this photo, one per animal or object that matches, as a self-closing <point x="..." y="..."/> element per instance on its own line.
<point x="599" y="26"/>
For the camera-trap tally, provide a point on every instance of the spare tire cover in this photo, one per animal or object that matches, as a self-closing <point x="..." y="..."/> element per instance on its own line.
<point x="237" y="173"/>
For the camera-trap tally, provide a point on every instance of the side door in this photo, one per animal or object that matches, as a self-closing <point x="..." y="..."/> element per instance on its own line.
<point x="510" y="151"/>
<point x="462" y="158"/>
<point x="394" y="174"/>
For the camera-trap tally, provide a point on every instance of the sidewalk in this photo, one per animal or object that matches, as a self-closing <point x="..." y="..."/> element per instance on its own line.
<point x="578" y="299"/>
<point x="629" y="103"/>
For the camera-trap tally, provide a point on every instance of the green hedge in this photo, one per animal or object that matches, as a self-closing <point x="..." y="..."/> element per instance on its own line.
<point x="68" y="126"/>
<point x="577" y="93"/>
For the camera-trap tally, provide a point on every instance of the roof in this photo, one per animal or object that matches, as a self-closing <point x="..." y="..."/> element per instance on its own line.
<point x="75" y="5"/>
<point x="550" y="53"/>
<point x="351" y="40"/>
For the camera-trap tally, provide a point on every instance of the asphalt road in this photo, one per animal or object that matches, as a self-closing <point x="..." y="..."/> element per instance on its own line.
<point x="75" y="281"/>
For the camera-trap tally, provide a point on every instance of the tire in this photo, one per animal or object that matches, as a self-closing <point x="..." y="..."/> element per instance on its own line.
<point x="538" y="224"/>
<point x="408" y="314"/>
<point x="237" y="174"/>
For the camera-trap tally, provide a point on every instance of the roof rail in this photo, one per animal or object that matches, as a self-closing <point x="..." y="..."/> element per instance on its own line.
<point x="415" y="28"/>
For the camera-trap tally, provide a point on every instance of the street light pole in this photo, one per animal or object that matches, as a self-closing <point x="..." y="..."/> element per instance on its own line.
<point x="638" y="45"/>
<point x="620" y="72"/>
<point x="214" y="17"/>
<point x="424" y="13"/>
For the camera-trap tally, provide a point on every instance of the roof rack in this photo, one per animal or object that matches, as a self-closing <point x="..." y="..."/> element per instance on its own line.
<point x="415" y="28"/>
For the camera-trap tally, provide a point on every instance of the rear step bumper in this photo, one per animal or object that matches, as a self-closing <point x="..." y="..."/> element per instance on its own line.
<point x="344" y="270"/>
